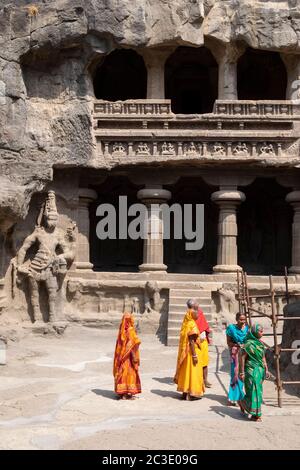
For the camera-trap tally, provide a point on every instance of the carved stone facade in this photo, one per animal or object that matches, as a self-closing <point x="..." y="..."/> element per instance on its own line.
<point x="174" y="124"/>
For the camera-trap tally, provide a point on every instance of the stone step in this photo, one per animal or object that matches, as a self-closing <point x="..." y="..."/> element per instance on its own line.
<point x="190" y="293"/>
<point x="176" y="325"/>
<point x="182" y="300"/>
<point x="178" y="317"/>
<point x="173" y="341"/>
<point x="177" y="322"/>
<point x="185" y="289"/>
<point x="181" y="308"/>
<point x="174" y="331"/>
<point x="177" y="308"/>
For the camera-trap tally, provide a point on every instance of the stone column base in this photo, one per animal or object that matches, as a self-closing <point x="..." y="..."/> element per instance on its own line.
<point x="294" y="270"/>
<point x="226" y="268"/>
<point x="153" y="267"/>
<point x="83" y="265"/>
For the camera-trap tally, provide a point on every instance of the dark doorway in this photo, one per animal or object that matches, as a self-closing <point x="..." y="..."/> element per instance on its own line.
<point x="114" y="255"/>
<point x="176" y="257"/>
<point x="191" y="80"/>
<point x="261" y="75"/>
<point x="122" y="75"/>
<point x="265" y="228"/>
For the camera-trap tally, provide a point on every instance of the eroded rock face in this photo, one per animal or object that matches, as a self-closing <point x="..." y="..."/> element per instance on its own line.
<point x="45" y="85"/>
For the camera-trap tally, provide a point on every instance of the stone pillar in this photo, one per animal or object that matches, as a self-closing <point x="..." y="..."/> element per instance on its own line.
<point x="153" y="253"/>
<point x="86" y="196"/>
<point x="228" y="200"/>
<point x="227" y="89"/>
<point x="227" y="58"/>
<point x="292" y="64"/>
<point x="155" y="62"/>
<point x="294" y="199"/>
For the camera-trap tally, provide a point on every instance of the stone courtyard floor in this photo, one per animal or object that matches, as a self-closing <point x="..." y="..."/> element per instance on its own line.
<point x="57" y="393"/>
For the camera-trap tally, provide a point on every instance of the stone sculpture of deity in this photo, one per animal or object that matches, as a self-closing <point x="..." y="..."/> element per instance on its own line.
<point x="53" y="250"/>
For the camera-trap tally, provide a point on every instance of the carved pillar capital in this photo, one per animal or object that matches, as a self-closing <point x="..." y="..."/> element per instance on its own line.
<point x="154" y="195"/>
<point x="86" y="195"/>
<point x="230" y="195"/>
<point x="293" y="198"/>
<point x="229" y="53"/>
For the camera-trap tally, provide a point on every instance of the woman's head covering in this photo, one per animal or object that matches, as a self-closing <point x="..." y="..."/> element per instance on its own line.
<point x="253" y="332"/>
<point x="126" y="341"/>
<point x="256" y="328"/>
<point x="202" y="322"/>
<point x="188" y="328"/>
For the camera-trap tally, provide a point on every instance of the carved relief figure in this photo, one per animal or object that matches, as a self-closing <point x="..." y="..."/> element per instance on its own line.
<point x="219" y="149"/>
<point x="240" y="149"/>
<point x="168" y="149"/>
<point x="55" y="249"/>
<point x="135" y="306"/>
<point x="191" y="150"/>
<point x="118" y="150"/>
<point x="143" y="149"/>
<point x="152" y="297"/>
<point x="267" y="149"/>
<point x="227" y="302"/>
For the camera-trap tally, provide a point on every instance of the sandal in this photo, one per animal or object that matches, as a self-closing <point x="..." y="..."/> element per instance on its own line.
<point x="241" y="408"/>
<point x="256" y="419"/>
<point x="231" y="403"/>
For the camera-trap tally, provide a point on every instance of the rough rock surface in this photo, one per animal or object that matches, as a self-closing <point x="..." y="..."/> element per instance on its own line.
<point x="45" y="86"/>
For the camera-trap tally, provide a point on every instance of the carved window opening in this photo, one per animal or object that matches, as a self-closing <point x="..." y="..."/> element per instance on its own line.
<point x="176" y="257"/>
<point x="265" y="228"/>
<point x="119" y="255"/>
<point x="191" y="80"/>
<point x="261" y="75"/>
<point x="122" y="75"/>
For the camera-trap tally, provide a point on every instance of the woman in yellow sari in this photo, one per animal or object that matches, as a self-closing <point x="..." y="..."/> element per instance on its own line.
<point x="127" y="360"/>
<point x="189" y="372"/>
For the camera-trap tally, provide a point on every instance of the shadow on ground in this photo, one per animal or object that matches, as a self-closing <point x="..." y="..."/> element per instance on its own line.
<point x="167" y="394"/>
<point x="106" y="393"/>
<point x="164" y="380"/>
<point x="227" y="411"/>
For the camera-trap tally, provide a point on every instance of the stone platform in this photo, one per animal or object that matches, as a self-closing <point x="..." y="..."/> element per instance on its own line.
<point x="57" y="393"/>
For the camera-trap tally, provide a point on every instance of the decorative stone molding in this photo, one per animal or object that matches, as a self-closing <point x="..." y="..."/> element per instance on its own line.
<point x="191" y="149"/>
<point x="256" y="108"/>
<point x="125" y="109"/>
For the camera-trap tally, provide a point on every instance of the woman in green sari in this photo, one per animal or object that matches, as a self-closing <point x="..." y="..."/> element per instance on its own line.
<point x="253" y="371"/>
